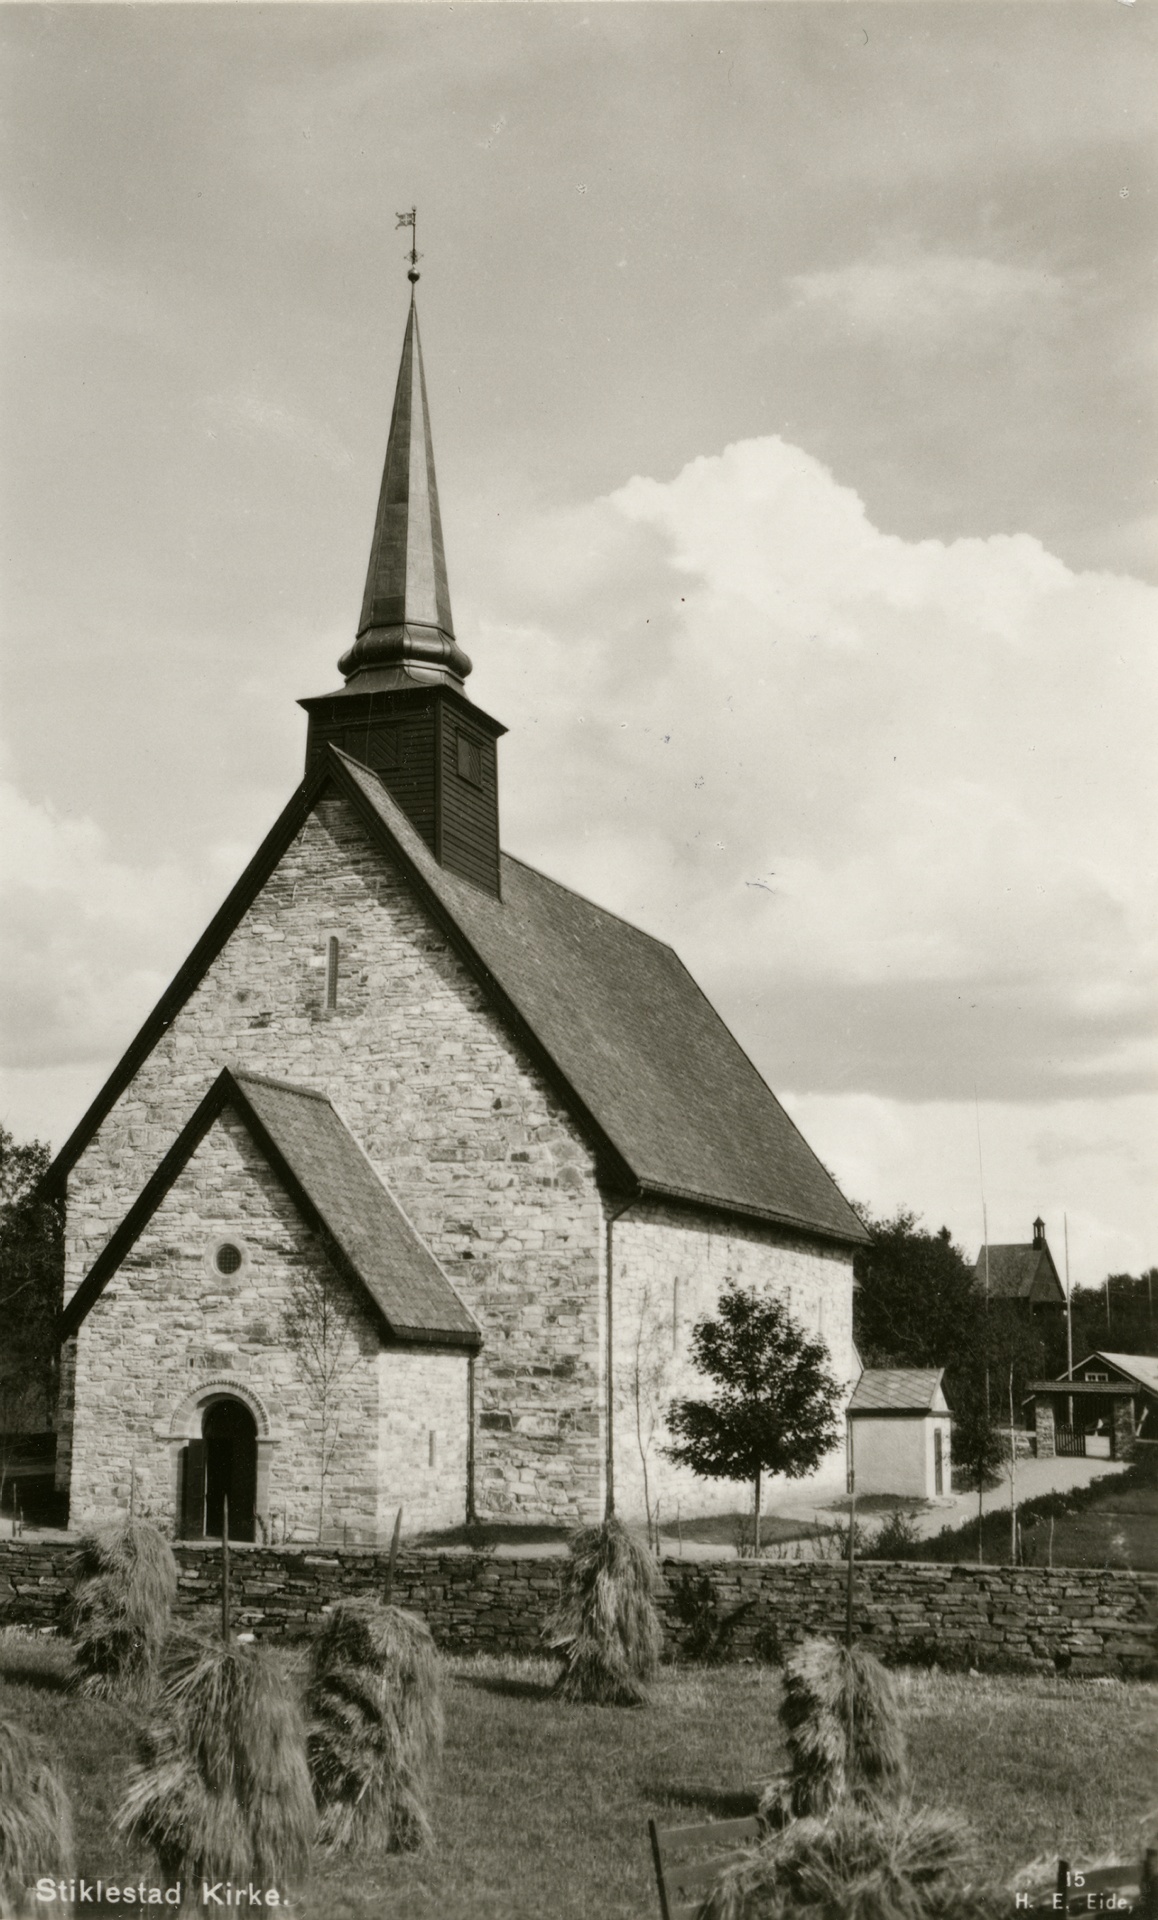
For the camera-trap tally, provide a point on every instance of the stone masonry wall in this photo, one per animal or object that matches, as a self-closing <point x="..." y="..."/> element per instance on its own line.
<point x="669" y="1270"/>
<point x="1060" y="1620"/>
<point x="476" y="1147"/>
<point x="169" y="1324"/>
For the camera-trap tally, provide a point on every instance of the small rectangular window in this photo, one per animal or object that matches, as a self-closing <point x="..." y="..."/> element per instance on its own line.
<point x="332" y="952"/>
<point x="469" y="760"/>
<point x="433" y="1448"/>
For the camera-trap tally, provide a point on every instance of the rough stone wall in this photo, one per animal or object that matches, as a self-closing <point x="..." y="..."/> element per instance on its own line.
<point x="422" y="1440"/>
<point x="467" y="1135"/>
<point x="1078" y="1621"/>
<point x="669" y="1269"/>
<point x="169" y="1325"/>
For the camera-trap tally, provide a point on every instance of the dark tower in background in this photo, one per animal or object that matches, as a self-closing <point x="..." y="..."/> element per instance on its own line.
<point x="403" y="711"/>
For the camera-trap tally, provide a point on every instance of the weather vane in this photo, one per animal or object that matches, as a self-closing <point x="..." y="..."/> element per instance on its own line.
<point x="411" y="220"/>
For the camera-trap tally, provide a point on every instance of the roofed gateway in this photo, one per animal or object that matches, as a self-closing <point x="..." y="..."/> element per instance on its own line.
<point x="420" y="1152"/>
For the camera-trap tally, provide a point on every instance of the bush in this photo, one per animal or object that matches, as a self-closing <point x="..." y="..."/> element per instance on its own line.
<point x="895" y="1539"/>
<point x="120" y="1611"/>
<point x="376" y="1726"/>
<point x="223" y="1790"/>
<point x="607" y="1627"/>
<point x="859" y="1863"/>
<point x="35" y="1821"/>
<point x="843" y="1727"/>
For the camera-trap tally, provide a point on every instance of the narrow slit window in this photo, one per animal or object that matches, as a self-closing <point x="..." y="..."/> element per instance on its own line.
<point x="432" y="1448"/>
<point x="675" y="1312"/>
<point x="332" y="955"/>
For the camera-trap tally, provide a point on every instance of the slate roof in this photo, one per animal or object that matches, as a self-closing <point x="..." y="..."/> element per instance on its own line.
<point x="633" y="1035"/>
<point x="1014" y="1272"/>
<point x="327" y="1174"/>
<point x="666" y="1096"/>
<point x="896" y="1390"/>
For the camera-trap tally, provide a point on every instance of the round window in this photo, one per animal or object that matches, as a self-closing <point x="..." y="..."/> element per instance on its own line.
<point x="228" y="1257"/>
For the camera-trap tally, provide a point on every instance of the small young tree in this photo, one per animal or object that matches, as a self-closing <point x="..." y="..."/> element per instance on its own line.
<point x="978" y="1449"/>
<point x="774" y="1410"/>
<point x="320" y="1326"/>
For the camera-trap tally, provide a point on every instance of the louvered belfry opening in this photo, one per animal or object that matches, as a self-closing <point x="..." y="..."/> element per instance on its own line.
<point x="403" y="711"/>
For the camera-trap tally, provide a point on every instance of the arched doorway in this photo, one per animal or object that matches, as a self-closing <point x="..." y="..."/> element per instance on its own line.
<point x="221" y="1464"/>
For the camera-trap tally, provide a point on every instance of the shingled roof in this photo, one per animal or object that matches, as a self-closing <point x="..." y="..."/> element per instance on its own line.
<point x="1023" y="1272"/>
<point x="329" y="1177"/>
<point x="897" y="1390"/>
<point x="667" y="1097"/>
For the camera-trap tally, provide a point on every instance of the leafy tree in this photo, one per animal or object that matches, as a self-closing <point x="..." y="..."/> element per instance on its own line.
<point x="1129" y="1325"/>
<point x="915" y="1303"/>
<point x="31" y="1279"/>
<point x="919" y="1304"/>
<point x="774" y="1409"/>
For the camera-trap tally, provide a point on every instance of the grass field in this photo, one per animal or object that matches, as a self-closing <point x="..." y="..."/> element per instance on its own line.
<point x="542" y="1808"/>
<point x="1113" y="1522"/>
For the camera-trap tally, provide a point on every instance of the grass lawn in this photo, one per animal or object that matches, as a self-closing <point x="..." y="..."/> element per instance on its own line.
<point x="1113" y="1522"/>
<point x="542" y="1808"/>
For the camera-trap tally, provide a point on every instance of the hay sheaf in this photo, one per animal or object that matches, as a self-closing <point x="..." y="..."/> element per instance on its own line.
<point x="120" y="1610"/>
<point x="376" y="1726"/>
<point x="860" y="1863"/>
<point x="223" y="1790"/>
<point x="607" y="1627"/>
<point x="842" y="1722"/>
<point x="35" y="1821"/>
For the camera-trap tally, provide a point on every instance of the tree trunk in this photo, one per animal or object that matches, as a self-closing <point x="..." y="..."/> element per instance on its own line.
<point x="756" y="1516"/>
<point x="980" y="1535"/>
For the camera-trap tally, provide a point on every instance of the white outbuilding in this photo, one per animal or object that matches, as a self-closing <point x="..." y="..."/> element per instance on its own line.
<point x="899" y="1428"/>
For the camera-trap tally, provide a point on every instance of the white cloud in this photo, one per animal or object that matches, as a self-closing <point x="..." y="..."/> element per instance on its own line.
<point x="87" y="939"/>
<point x="812" y="752"/>
<point x="1076" y="1161"/>
<point x="923" y="293"/>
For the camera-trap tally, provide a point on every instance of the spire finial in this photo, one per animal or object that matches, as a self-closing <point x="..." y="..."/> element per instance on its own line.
<point x="411" y="220"/>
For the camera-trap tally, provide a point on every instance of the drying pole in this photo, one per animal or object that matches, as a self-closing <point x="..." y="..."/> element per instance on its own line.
<point x="851" y="1544"/>
<point x="1012" y="1479"/>
<point x="225" y="1568"/>
<point x="1069" y="1325"/>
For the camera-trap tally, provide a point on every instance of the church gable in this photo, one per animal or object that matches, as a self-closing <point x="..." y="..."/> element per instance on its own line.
<point x="196" y="1315"/>
<point x="478" y="1149"/>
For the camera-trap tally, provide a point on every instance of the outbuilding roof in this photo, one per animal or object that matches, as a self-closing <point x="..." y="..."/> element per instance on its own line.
<point x="896" y="1390"/>
<point x="1020" y="1272"/>
<point x="344" y="1199"/>
<point x="669" y="1100"/>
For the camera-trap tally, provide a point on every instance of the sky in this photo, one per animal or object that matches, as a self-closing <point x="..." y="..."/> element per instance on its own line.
<point x="792" y="377"/>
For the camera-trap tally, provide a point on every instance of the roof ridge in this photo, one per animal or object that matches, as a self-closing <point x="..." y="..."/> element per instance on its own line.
<point x="244" y="1074"/>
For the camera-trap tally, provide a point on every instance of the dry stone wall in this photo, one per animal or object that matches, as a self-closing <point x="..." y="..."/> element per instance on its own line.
<point x="466" y="1133"/>
<point x="1077" y="1621"/>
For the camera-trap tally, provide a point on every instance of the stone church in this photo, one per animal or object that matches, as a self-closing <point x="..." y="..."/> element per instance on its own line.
<point x="412" y="1186"/>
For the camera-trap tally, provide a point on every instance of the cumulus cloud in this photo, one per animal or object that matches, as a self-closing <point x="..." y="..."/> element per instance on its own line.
<point x="909" y="782"/>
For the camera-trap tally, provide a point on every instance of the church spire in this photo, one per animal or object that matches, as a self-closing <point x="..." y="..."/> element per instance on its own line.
<point x="406" y="632"/>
